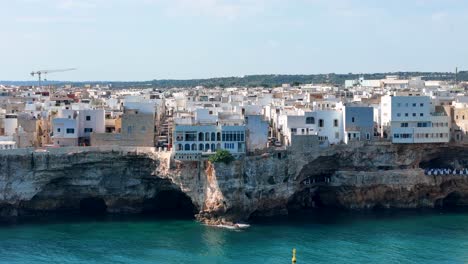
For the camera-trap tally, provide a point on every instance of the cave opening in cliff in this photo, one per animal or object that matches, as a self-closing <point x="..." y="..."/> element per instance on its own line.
<point x="170" y="203"/>
<point x="453" y="200"/>
<point x="93" y="206"/>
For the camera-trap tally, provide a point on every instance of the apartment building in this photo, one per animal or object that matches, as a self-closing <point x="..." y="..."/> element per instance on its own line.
<point x="202" y="134"/>
<point x="414" y="119"/>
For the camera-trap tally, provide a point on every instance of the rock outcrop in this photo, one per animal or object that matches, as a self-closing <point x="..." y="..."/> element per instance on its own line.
<point x="124" y="180"/>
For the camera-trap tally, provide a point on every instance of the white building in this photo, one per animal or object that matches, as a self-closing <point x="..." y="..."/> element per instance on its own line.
<point x="65" y="132"/>
<point x="10" y="124"/>
<point x="327" y="124"/>
<point x="413" y="119"/>
<point x="89" y="121"/>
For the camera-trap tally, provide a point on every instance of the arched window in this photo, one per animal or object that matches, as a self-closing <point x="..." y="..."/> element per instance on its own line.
<point x="213" y="148"/>
<point x="187" y="147"/>
<point x="218" y="146"/>
<point x="200" y="147"/>
<point x="218" y="136"/>
<point x="179" y="147"/>
<point x="310" y="120"/>
<point x="207" y="147"/>
<point x="201" y="136"/>
<point x="207" y="136"/>
<point x="194" y="146"/>
<point x="213" y="136"/>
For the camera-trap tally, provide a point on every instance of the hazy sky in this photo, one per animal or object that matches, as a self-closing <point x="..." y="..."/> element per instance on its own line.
<point x="160" y="39"/>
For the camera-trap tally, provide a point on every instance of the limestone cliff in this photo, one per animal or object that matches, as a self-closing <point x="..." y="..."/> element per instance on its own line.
<point x="129" y="180"/>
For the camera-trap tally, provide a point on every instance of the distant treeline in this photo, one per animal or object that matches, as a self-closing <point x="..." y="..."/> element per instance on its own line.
<point x="264" y="80"/>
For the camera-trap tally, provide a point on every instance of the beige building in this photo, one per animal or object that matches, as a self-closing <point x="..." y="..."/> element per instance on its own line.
<point x="460" y="125"/>
<point x="132" y="129"/>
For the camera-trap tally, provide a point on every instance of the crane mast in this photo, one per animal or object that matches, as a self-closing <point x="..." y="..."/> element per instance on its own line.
<point x="45" y="72"/>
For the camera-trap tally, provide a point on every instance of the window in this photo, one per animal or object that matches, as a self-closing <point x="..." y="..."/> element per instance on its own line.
<point x="88" y="118"/>
<point x="368" y="136"/>
<point x="70" y="130"/>
<point x="335" y="123"/>
<point x="233" y="136"/>
<point x="396" y="135"/>
<point x="310" y="120"/>
<point x="398" y="114"/>
<point x="421" y="104"/>
<point x="406" y="114"/>
<point x="337" y="135"/>
<point x="421" y="114"/>
<point x="423" y="124"/>
<point x="404" y="124"/>
<point x="88" y="130"/>
<point x="398" y="104"/>
<point x="58" y="130"/>
<point x="321" y="123"/>
<point x="352" y="119"/>
<point x="414" y="114"/>
<point x="190" y="136"/>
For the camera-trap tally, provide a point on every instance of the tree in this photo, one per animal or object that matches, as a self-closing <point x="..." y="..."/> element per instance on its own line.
<point x="222" y="155"/>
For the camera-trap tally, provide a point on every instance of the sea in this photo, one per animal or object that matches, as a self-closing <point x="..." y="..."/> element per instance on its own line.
<point x="318" y="237"/>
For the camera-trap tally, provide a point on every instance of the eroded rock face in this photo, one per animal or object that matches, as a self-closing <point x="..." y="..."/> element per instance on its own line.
<point x="367" y="176"/>
<point x="91" y="182"/>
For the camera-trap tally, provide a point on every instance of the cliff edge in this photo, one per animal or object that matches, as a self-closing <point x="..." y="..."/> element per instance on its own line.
<point x="140" y="180"/>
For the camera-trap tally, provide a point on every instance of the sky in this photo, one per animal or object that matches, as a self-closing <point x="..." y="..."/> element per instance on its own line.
<point x="136" y="40"/>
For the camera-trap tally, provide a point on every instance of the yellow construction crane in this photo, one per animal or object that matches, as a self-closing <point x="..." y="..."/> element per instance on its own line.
<point x="45" y="72"/>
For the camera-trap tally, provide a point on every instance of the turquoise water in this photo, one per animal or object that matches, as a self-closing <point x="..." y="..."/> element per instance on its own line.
<point x="345" y="238"/>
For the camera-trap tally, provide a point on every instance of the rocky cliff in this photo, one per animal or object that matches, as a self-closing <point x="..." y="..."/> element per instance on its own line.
<point x="120" y="180"/>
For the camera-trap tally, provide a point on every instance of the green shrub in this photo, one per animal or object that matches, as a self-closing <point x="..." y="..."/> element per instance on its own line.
<point x="222" y="155"/>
